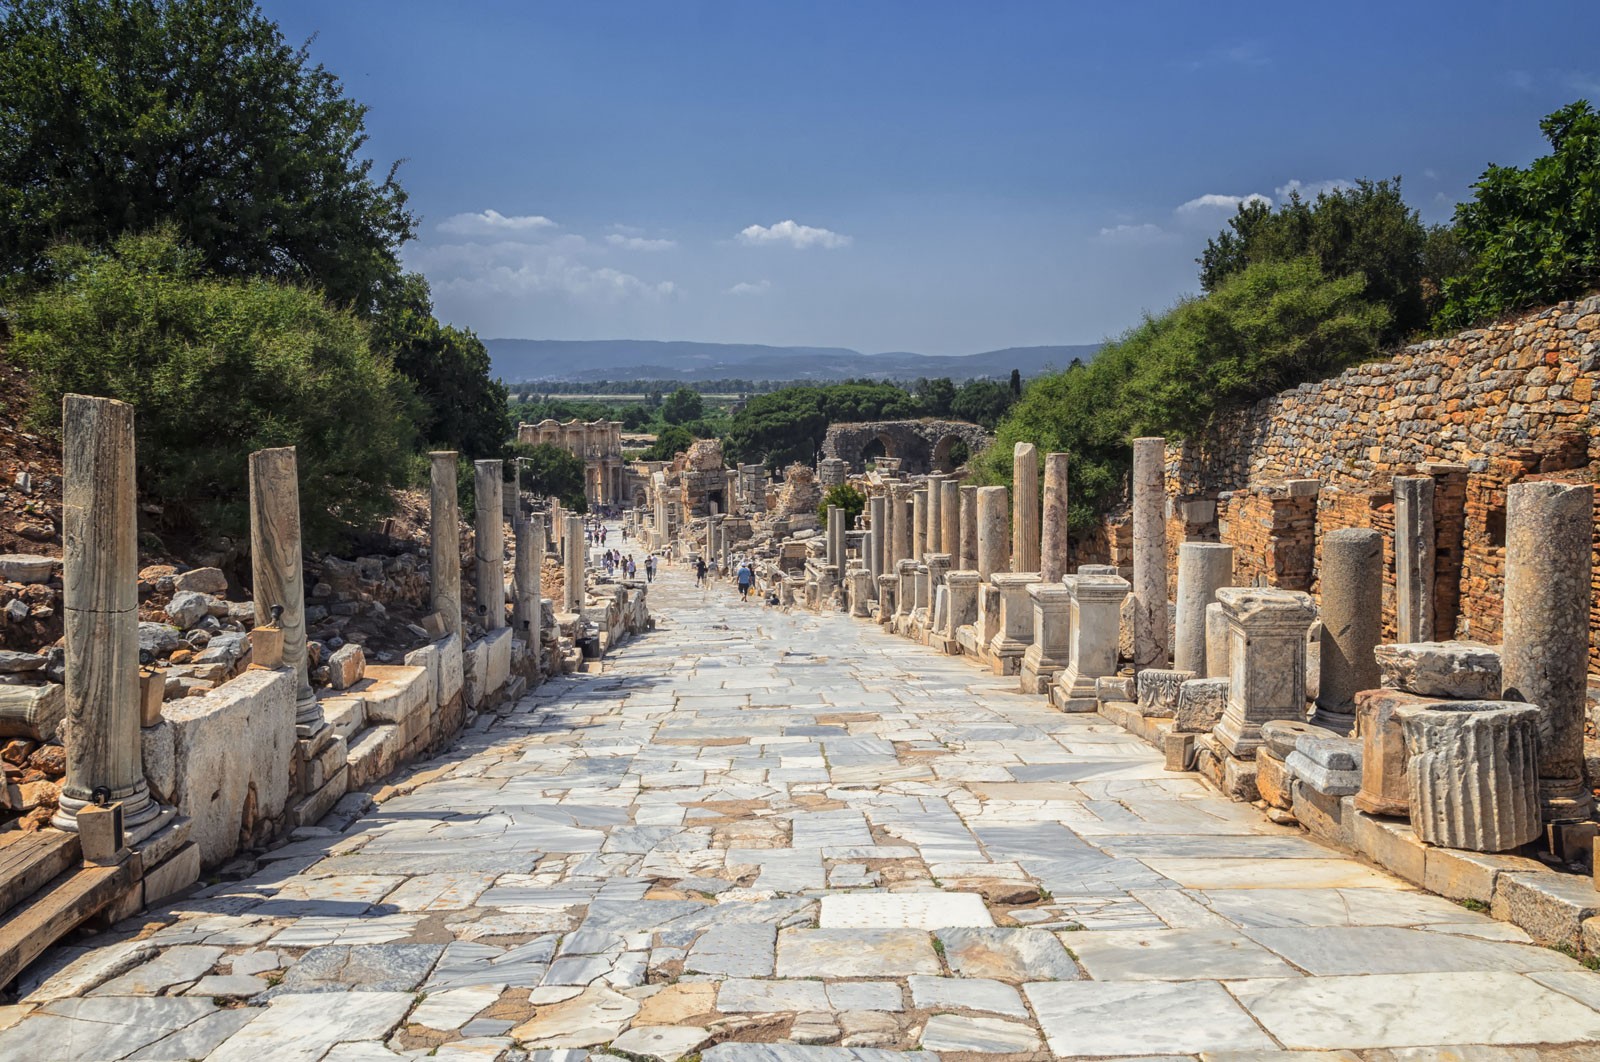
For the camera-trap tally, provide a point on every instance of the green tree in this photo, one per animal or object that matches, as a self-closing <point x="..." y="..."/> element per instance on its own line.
<point x="785" y="426"/>
<point x="935" y="396"/>
<point x="548" y="469"/>
<point x="1533" y="234"/>
<point x="1016" y="383"/>
<point x="982" y="402"/>
<point x="682" y="405"/>
<point x="847" y="498"/>
<point x="123" y="115"/>
<point x="214" y="369"/>
<point x="1272" y="326"/>
<point x="449" y="367"/>
<point x="669" y="442"/>
<point x="1367" y="230"/>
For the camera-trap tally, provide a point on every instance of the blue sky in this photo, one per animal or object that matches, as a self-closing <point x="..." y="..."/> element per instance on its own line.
<point x="927" y="176"/>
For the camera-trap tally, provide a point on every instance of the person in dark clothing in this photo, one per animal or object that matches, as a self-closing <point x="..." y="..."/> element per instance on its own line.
<point x="699" y="571"/>
<point x="746" y="579"/>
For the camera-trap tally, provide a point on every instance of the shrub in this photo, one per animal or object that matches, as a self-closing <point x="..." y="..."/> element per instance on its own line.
<point x="847" y="498"/>
<point x="215" y="369"/>
<point x="548" y="469"/>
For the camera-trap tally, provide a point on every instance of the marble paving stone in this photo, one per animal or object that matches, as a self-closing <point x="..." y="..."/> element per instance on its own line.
<point x="453" y="1008"/>
<point x="89" y="1030"/>
<point x="1175" y="955"/>
<point x="1271" y="908"/>
<point x="1015" y="955"/>
<point x="226" y="986"/>
<point x="197" y="1039"/>
<point x="175" y="966"/>
<point x="362" y="968"/>
<point x="303" y="1027"/>
<point x="865" y="995"/>
<point x="1092" y="1018"/>
<point x="855" y="953"/>
<point x="909" y="910"/>
<point x="958" y="1032"/>
<point x="740" y="995"/>
<point x="734" y="951"/>
<point x="664" y="1043"/>
<point x="737" y="1052"/>
<point x="1333" y="950"/>
<point x="966" y="993"/>
<point x="1415" y="1010"/>
<point x="1271" y="873"/>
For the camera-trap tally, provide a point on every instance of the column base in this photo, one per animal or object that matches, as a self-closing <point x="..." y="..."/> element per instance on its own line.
<point x="1564" y="801"/>
<point x="1341" y="720"/>
<point x="137" y="807"/>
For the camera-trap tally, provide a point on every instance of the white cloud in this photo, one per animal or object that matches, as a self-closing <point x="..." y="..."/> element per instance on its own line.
<point x="1133" y="235"/>
<point x="493" y="223"/>
<point x="1205" y="204"/>
<point x="639" y="243"/>
<point x="744" y="287"/>
<point x="1588" y="84"/>
<point x="1313" y="189"/>
<point x="792" y="233"/>
<point x="508" y="268"/>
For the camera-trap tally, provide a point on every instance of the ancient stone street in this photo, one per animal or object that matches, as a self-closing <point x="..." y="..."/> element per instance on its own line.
<point x="790" y="829"/>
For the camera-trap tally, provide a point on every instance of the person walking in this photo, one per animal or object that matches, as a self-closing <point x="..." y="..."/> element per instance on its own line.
<point x="700" y="571"/>
<point x="650" y="568"/>
<point x="746" y="578"/>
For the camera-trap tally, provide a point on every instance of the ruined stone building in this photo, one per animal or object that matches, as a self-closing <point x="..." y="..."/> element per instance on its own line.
<point x="598" y="443"/>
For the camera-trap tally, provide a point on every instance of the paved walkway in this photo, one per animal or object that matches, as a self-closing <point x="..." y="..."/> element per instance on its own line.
<point x="758" y="831"/>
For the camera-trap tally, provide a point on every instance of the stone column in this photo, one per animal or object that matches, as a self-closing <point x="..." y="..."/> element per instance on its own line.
<point x="994" y="547"/>
<point x="950" y="518"/>
<point x="1096" y="630"/>
<point x="935" y="539"/>
<point x="1053" y="539"/>
<point x="1203" y="569"/>
<point x="887" y="585"/>
<point x="1149" y="554"/>
<point x="899" y="526"/>
<point x="1025" y="507"/>
<point x="572" y="583"/>
<point x="1413" y="558"/>
<point x="878" y="508"/>
<point x="1473" y="773"/>
<point x="919" y="522"/>
<point x="1545" y="645"/>
<point x="276" y="568"/>
<point x="1352" y="623"/>
<point x="444" y="541"/>
<point x="1217" y="645"/>
<point x="833" y="526"/>
<point x="1052" y="636"/>
<point x="101" y="615"/>
<point x="967" y="553"/>
<point x="859" y="578"/>
<point x="529" y="562"/>
<point x="1267" y="628"/>
<point x="905" y="593"/>
<point x="489" y="544"/>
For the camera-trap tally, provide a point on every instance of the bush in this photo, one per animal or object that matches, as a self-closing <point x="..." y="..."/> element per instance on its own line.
<point x="1274" y="325"/>
<point x="1533" y="234"/>
<point x="215" y="369"/>
<point x="847" y="498"/>
<point x="669" y="441"/>
<point x="549" y="469"/>
<point x="786" y="426"/>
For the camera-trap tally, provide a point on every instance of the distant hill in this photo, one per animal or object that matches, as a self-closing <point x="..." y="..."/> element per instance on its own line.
<point x="519" y="360"/>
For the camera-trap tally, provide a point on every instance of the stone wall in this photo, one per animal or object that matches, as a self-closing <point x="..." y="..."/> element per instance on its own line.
<point x="921" y="446"/>
<point x="1477" y="412"/>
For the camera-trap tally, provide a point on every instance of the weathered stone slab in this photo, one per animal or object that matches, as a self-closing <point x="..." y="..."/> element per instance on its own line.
<point x="1158" y="690"/>
<point x="1200" y="705"/>
<point x="1462" y="670"/>
<point x="1473" y="773"/>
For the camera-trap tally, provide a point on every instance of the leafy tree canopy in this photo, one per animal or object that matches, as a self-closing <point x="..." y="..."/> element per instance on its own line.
<point x="847" y="498"/>
<point x="682" y="405"/>
<point x="788" y="425"/>
<point x="982" y="402"/>
<point x="548" y="469"/>
<point x="1273" y="325"/>
<point x="669" y="442"/>
<point x="1533" y="234"/>
<point x="1367" y="230"/>
<point x="118" y="116"/>
<point x="214" y="369"/>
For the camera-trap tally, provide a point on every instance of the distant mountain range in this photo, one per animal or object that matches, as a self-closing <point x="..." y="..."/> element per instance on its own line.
<point x="575" y="360"/>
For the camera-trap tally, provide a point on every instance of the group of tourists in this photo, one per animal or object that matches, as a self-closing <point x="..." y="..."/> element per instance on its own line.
<point x="744" y="574"/>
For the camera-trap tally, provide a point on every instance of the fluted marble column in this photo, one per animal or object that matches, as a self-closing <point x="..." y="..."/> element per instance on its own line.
<point x="967" y="553"/>
<point x="950" y="518"/>
<point x="1025" y="508"/>
<point x="994" y="548"/>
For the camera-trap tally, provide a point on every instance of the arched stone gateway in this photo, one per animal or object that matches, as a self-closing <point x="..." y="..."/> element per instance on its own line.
<point x="921" y="445"/>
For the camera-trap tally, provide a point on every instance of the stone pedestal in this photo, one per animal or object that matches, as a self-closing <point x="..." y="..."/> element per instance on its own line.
<point x="1096" y="624"/>
<point x="1473" y="774"/>
<point x="994" y="544"/>
<point x="950" y="517"/>
<point x="963" y="600"/>
<point x="887" y="585"/>
<point x="938" y="565"/>
<point x="1352" y="623"/>
<point x="1413" y="558"/>
<point x="906" y="591"/>
<point x="1544" y="652"/>
<point x="1016" y="621"/>
<point x="277" y="570"/>
<point x="1149" y="553"/>
<point x="921" y="597"/>
<point x="967" y="554"/>
<point x="101" y="596"/>
<point x="1053" y="547"/>
<point x="1052" y="636"/>
<point x="489" y="544"/>
<point x="1384" y="790"/>
<point x="859" y="580"/>
<point x="1466" y="671"/>
<point x="444" y="541"/>
<point x="1025" y="507"/>
<point x="1203" y="569"/>
<point x="1267" y="629"/>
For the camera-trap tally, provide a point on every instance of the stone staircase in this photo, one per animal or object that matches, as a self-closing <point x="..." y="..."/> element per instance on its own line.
<point x="46" y="891"/>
